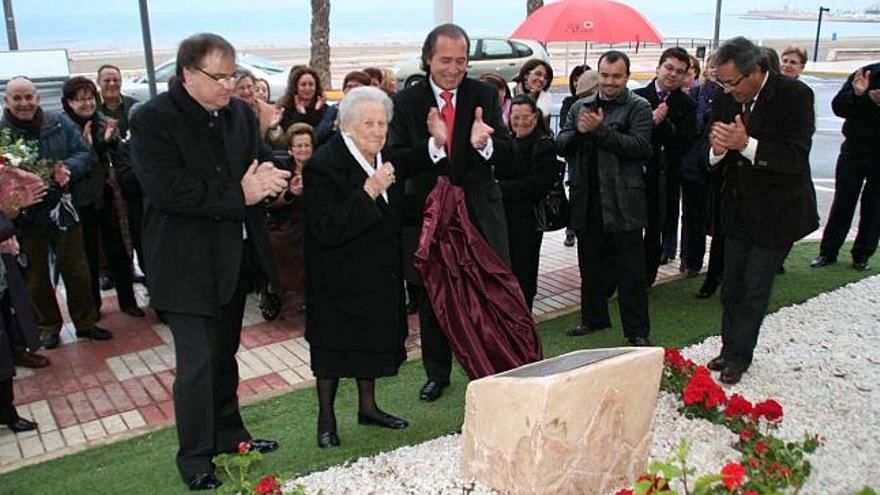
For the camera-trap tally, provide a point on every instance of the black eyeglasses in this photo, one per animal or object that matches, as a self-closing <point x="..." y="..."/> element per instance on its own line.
<point x="730" y="85"/>
<point x="230" y="79"/>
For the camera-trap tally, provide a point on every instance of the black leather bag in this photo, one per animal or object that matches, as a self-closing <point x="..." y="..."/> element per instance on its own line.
<point x="553" y="211"/>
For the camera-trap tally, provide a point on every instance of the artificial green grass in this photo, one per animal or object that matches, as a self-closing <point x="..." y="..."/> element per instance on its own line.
<point x="145" y="465"/>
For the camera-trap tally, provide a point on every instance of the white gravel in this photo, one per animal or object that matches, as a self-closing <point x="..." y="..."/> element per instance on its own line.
<point x="818" y="359"/>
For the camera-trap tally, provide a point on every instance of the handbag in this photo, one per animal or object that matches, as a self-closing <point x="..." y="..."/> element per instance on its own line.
<point x="553" y="211"/>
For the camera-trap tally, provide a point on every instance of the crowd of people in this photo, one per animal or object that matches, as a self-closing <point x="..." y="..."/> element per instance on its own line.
<point x="324" y="209"/>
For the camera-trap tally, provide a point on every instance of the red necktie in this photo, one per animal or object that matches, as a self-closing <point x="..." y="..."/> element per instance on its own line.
<point x="448" y="114"/>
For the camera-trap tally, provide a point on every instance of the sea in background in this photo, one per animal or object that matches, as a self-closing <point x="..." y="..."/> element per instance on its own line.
<point x="266" y="22"/>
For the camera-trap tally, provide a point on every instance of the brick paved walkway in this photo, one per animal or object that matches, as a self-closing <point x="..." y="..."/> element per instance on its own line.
<point x="99" y="392"/>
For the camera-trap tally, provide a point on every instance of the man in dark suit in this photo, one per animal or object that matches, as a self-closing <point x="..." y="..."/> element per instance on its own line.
<point x="760" y="134"/>
<point x="450" y="125"/>
<point x="675" y="124"/>
<point x="203" y="168"/>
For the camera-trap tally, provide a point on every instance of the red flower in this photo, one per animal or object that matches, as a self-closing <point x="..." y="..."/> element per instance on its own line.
<point x="624" y="491"/>
<point x="753" y="462"/>
<point x="674" y="358"/>
<point x="746" y="435"/>
<point x="738" y="406"/>
<point x="702" y="389"/>
<point x="751" y="492"/>
<point x="244" y="447"/>
<point x="268" y="485"/>
<point x="769" y="409"/>
<point x="760" y="448"/>
<point x="733" y="475"/>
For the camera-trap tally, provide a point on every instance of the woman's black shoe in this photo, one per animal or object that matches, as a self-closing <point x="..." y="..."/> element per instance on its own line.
<point x="328" y="439"/>
<point x="708" y="289"/>
<point x="382" y="419"/>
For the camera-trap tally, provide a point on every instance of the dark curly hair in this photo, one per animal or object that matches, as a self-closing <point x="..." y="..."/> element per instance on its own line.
<point x="529" y="66"/>
<point x="296" y="73"/>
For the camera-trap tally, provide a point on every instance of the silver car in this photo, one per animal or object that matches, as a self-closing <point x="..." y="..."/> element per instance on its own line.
<point x="499" y="55"/>
<point x="260" y="67"/>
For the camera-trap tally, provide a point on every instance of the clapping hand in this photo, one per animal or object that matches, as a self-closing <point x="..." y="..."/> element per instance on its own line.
<point x="110" y="129"/>
<point x="481" y="132"/>
<point x="276" y="117"/>
<point x="437" y="127"/>
<point x="860" y="82"/>
<point x="262" y="180"/>
<point x="87" y="133"/>
<point x="733" y="136"/>
<point x="61" y="175"/>
<point x="589" y="121"/>
<point x="296" y="184"/>
<point x="660" y="113"/>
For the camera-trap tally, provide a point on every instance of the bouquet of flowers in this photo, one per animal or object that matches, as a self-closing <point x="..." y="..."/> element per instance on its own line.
<point x="20" y="153"/>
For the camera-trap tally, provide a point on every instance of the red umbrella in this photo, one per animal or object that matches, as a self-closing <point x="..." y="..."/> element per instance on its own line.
<point x="604" y="21"/>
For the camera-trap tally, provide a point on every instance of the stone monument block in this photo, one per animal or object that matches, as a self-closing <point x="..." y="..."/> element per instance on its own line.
<point x="575" y="424"/>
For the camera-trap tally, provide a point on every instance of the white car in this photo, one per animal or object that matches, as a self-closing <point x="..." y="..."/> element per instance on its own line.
<point x="499" y="55"/>
<point x="260" y="67"/>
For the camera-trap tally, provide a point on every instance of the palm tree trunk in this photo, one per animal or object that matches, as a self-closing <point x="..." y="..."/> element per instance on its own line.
<point x="320" y="53"/>
<point x="533" y="5"/>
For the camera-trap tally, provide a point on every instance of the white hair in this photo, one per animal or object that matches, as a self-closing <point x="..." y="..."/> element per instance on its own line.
<point x="350" y="106"/>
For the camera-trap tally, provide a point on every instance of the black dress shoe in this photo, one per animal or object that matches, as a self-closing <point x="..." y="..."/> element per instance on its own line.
<point x="691" y="273"/>
<point x="584" y="329"/>
<point x="105" y="282"/>
<point x="264" y="446"/>
<point x="716" y="364"/>
<point x="203" y="481"/>
<point x="27" y="359"/>
<point x="431" y="391"/>
<point x="569" y="240"/>
<point x="50" y="341"/>
<point x="138" y="278"/>
<point x="382" y="419"/>
<point x="730" y="376"/>
<point x="20" y="425"/>
<point x="822" y="260"/>
<point x="641" y="342"/>
<point x="133" y="311"/>
<point x="780" y="270"/>
<point x="860" y="265"/>
<point x="708" y="289"/>
<point x="94" y="333"/>
<point x="328" y="439"/>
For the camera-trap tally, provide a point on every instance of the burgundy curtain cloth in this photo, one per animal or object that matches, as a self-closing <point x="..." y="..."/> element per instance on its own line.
<point x="475" y="296"/>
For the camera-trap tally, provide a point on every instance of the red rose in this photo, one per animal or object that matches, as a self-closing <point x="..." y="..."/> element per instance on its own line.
<point x="244" y="447"/>
<point x="769" y="409"/>
<point x="760" y="448"/>
<point x="738" y="406"/>
<point x="267" y="485"/>
<point x="733" y="475"/>
<point x="746" y="435"/>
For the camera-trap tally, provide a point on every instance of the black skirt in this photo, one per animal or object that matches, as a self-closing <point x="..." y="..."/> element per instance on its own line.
<point x="329" y="363"/>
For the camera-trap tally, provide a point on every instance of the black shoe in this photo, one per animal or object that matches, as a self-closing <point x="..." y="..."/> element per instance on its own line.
<point x="569" y="240"/>
<point x="105" y="282"/>
<point x="716" y="364"/>
<point x="203" y="481"/>
<point x="27" y="359"/>
<point x="431" y="391"/>
<point x="664" y="260"/>
<point x="133" y="311"/>
<point x="583" y="329"/>
<point x="780" y="270"/>
<point x="50" y="341"/>
<point x="412" y="307"/>
<point x="730" y="376"/>
<point x="20" y="425"/>
<point x="94" y="333"/>
<point x="860" y="265"/>
<point x="822" y="260"/>
<point x="691" y="273"/>
<point x="264" y="446"/>
<point x="708" y="289"/>
<point x="383" y="419"/>
<point x="139" y="278"/>
<point x="270" y="305"/>
<point x="328" y="439"/>
<point x="641" y="342"/>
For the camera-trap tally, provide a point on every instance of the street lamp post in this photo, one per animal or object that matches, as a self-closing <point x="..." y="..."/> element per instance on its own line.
<point x="717" y="24"/>
<point x="10" y="25"/>
<point x="818" y="30"/>
<point x="148" y="47"/>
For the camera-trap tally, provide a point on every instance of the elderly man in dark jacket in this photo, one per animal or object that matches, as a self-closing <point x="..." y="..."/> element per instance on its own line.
<point x="203" y="168"/>
<point x="608" y="139"/>
<point x="760" y="135"/>
<point x="59" y="140"/>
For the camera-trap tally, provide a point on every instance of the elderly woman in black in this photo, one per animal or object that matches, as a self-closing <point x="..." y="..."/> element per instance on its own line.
<point x="524" y="181"/>
<point x="93" y="193"/>
<point x="356" y="322"/>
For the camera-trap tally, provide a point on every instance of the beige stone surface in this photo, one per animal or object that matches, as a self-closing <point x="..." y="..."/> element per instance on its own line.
<point x="583" y="431"/>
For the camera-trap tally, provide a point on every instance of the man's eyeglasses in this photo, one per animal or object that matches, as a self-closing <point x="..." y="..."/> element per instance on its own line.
<point x="730" y="85"/>
<point x="230" y="79"/>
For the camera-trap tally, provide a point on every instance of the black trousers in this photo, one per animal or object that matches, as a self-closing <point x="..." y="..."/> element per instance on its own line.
<point x="8" y="413"/>
<point x="612" y="258"/>
<point x="525" y="255"/>
<point x="693" y="224"/>
<point x="135" y="209"/>
<point x="857" y="172"/>
<point x="673" y="211"/>
<point x="749" y="271"/>
<point x="436" y="354"/>
<point x="102" y="225"/>
<point x="655" y="193"/>
<point x="206" y="383"/>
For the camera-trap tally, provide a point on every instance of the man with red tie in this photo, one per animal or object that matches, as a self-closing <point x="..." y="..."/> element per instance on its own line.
<point x="450" y="125"/>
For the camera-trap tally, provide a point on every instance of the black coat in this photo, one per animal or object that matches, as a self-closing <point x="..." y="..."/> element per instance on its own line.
<point x="22" y="321"/>
<point x="770" y="202"/>
<point x="408" y="144"/>
<point x="676" y="132"/>
<point x="194" y="206"/>
<point x="354" y="273"/>
<point x="526" y="179"/>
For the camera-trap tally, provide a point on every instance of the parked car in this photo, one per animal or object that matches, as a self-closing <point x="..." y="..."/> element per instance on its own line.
<point x="500" y="55"/>
<point x="261" y="68"/>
